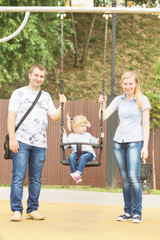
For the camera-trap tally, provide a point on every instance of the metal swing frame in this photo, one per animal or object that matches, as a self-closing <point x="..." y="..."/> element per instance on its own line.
<point x="121" y="9"/>
<point x="29" y="9"/>
<point x="99" y="146"/>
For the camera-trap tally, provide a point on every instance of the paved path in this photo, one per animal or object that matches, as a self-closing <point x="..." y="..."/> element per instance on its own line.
<point x="77" y="215"/>
<point x="84" y="197"/>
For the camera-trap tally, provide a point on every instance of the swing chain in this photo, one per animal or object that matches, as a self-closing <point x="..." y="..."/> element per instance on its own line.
<point x="62" y="15"/>
<point x="106" y="16"/>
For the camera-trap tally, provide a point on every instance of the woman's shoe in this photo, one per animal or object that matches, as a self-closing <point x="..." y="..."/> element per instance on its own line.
<point x="125" y="217"/>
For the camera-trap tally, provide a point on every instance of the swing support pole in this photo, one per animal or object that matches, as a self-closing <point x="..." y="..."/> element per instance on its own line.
<point x="111" y="165"/>
<point x="136" y="10"/>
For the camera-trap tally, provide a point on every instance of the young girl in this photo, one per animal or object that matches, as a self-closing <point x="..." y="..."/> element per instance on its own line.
<point x="79" y="125"/>
<point x="130" y="142"/>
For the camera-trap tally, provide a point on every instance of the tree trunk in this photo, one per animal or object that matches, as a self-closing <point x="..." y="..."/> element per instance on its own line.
<point x="75" y="41"/>
<point x="85" y="50"/>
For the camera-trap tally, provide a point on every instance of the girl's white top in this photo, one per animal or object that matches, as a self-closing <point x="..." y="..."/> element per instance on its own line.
<point x="84" y="137"/>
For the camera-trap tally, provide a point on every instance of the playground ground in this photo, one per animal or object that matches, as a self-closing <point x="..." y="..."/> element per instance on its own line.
<point x="76" y="215"/>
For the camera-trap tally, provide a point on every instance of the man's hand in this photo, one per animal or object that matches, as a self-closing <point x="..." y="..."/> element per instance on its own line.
<point x="62" y="98"/>
<point x="13" y="145"/>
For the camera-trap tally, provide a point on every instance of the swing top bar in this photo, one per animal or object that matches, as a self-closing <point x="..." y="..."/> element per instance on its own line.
<point x="137" y="10"/>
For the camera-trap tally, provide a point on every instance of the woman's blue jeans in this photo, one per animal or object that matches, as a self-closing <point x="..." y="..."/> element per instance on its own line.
<point x="84" y="158"/>
<point x="33" y="157"/>
<point x="128" y="157"/>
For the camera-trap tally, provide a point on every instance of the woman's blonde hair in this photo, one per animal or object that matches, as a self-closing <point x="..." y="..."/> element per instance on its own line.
<point x="137" y="92"/>
<point x="74" y="123"/>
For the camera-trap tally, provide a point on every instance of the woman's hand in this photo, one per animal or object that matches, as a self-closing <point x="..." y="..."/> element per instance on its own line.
<point x="144" y="154"/>
<point x="102" y="99"/>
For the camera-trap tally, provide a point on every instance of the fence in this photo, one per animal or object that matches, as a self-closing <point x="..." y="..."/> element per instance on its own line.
<point x="56" y="174"/>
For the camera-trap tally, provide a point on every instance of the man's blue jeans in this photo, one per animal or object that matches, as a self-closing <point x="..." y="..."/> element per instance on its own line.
<point x="33" y="157"/>
<point x="128" y="157"/>
<point x="84" y="158"/>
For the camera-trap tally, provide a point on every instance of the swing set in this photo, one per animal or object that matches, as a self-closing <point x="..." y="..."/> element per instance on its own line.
<point x="99" y="146"/>
<point x="62" y="10"/>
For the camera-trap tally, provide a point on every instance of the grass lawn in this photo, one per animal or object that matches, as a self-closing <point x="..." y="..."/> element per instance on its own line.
<point x="88" y="188"/>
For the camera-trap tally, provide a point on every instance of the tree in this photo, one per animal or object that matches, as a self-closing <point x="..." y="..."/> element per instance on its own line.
<point x="85" y="49"/>
<point x="154" y="98"/>
<point x="149" y="3"/>
<point x="40" y="41"/>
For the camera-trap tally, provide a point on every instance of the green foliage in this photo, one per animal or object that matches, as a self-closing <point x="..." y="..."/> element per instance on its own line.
<point x="157" y="73"/>
<point x="154" y="98"/>
<point x="102" y="3"/>
<point x="39" y="41"/>
<point x="155" y="110"/>
<point x="150" y="3"/>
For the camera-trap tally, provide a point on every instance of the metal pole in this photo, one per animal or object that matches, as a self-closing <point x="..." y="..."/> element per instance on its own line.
<point x="114" y="19"/>
<point x="111" y="171"/>
<point x="5" y="39"/>
<point x="138" y="10"/>
<point x="111" y="166"/>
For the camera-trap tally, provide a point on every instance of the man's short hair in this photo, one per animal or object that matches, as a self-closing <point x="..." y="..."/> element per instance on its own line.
<point x="39" y="66"/>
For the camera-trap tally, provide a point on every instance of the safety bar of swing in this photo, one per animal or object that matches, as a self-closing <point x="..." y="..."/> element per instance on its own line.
<point x="82" y="143"/>
<point x="138" y="10"/>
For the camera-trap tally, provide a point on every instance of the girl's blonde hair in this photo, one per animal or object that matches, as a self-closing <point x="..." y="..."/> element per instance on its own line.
<point x="74" y="123"/>
<point x="137" y="92"/>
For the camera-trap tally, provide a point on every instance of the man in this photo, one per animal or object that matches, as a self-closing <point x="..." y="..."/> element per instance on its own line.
<point x="28" y="144"/>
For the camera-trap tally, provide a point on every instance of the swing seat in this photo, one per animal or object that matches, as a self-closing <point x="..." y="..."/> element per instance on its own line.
<point x="94" y="163"/>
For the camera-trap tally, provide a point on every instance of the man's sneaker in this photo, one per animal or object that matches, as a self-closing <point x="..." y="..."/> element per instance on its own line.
<point x="35" y="216"/>
<point x="78" y="179"/>
<point x="16" y="216"/>
<point x="125" y="217"/>
<point x="136" y="219"/>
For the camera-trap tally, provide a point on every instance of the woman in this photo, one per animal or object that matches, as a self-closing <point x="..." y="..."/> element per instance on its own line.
<point x="130" y="142"/>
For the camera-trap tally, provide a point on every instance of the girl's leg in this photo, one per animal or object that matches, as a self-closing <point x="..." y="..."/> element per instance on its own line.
<point x="84" y="158"/>
<point x="72" y="159"/>
<point x="134" y="163"/>
<point x="121" y="158"/>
